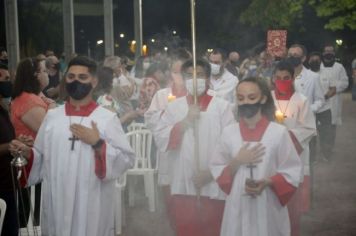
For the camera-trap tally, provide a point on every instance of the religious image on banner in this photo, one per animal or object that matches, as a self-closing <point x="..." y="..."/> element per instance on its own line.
<point x="276" y="42"/>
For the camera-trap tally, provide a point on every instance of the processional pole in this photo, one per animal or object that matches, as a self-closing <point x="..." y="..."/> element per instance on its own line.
<point x="19" y="163"/>
<point x="196" y="122"/>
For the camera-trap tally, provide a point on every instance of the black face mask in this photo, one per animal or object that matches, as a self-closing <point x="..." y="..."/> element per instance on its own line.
<point x="78" y="90"/>
<point x="5" y="89"/>
<point x="249" y="110"/>
<point x="295" y="61"/>
<point x="328" y="59"/>
<point x="314" y="65"/>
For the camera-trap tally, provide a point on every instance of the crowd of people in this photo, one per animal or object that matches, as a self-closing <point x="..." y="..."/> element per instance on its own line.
<point x="236" y="160"/>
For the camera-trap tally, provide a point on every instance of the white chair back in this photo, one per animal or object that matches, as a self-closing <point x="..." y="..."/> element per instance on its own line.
<point x="2" y="213"/>
<point x="141" y="143"/>
<point x="136" y="126"/>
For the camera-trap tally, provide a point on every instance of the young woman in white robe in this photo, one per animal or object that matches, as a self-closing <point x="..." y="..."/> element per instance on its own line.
<point x="255" y="205"/>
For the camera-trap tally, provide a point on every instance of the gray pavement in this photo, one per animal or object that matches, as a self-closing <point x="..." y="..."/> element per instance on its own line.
<point x="333" y="211"/>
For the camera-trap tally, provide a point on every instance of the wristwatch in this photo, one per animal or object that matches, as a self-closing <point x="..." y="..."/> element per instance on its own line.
<point x="98" y="144"/>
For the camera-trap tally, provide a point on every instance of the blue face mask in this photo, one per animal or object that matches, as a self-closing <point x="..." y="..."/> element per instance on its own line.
<point x="5" y="89"/>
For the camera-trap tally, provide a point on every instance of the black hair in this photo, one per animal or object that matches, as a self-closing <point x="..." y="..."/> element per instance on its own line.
<point x="268" y="108"/>
<point x="284" y="65"/>
<point x="220" y="51"/>
<point x="297" y="45"/>
<point x="200" y="62"/>
<point x="84" y="61"/>
<point x="315" y="53"/>
<point x="3" y="66"/>
<point x="26" y="77"/>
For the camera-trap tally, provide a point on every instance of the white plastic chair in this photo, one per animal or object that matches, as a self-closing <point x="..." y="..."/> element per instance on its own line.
<point x="141" y="143"/>
<point x="119" y="207"/>
<point x="136" y="126"/>
<point x="30" y="229"/>
<point x="2" y="213"/>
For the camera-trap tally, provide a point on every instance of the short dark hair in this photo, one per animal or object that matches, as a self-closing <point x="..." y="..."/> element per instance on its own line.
<point x="200" y="62"/>
<point x="297" y="45"/>
<point x="315" y="53"/>
<point x="267" y="109"/>
<point x="220" y="51"/>
<point x="84" y="61"/>
<point x="26" y="79"/>
<point x="284" y="65"/>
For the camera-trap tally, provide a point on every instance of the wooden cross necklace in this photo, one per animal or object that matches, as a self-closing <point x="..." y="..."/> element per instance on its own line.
<point x="74" y="138"/>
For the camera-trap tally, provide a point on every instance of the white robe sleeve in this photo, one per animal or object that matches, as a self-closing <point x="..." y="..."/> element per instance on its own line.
<point x="289" y="162"/>
<point x="305" y="127"/>
<point x="318" y="100"/>
<point x="342" y="81"/>
<point x="119" y="155"/>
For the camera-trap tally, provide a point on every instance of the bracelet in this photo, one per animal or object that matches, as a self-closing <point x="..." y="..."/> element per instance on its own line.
<point x="98" y="144"/>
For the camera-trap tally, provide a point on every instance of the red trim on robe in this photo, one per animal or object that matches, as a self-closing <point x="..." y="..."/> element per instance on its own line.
<point x="25" y="174"/>
<point x="296" y="143"/>
<point x="256" y="134"/>
<point x="282" y="189"/>
<point x="225" y="180"/>
<point x="85" y="110"/>
<point x="176" y="134"/>
<point x="100" y="161"/>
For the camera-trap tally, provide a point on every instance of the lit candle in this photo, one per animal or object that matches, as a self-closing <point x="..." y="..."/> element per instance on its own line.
<point x="144" y="50"/>
<point x="279" y="116"/>
<point x="171" y="97"/>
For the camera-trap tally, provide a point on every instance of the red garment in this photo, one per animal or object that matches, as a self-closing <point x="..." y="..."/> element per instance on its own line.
<point x="256" y="134"/>
<point x="193" y="218"/>
<point x="85" y="110"/>
<point x="19" y="107"/>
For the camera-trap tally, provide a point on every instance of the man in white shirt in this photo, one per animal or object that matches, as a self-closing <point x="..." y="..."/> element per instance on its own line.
<point x="221" y="80"/>
<point x="337" y="72"/>
<point x="326" y="129"/>
<point x="306" y="81"/>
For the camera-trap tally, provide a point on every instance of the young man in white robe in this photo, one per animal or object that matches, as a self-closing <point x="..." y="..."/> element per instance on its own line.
<point x="153" y="117"/>
<point x="197" y="202"/>
<point x="79" y="152"/>
<point x="256" y="164"/>
<point x="294" y="112"/>
<point x="222" y="82"/>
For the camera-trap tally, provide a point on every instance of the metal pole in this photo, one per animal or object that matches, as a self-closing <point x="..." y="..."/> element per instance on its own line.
<point x="68" y="29"/>
<point x="12" y="34"/>
<point x="108" y="28"/>
<point x="138" y="26"/>
<point x="196" y="122"/>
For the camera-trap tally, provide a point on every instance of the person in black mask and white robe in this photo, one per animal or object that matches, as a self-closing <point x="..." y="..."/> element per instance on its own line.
<point x="79" y="152"/>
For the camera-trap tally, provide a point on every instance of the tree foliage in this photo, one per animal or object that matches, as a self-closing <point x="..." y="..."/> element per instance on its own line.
<point x="282" y="13"/>
<point x="341" y="13"/>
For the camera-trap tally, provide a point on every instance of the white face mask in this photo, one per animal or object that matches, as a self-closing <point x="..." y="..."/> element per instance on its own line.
<point x="201" y="86"/>
<point x="215" y="68"/>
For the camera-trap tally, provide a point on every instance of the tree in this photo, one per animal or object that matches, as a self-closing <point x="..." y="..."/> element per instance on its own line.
<point x="341" y="14"/>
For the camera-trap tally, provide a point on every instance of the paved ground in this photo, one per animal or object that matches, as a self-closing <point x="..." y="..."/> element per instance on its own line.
<point x="334" y="208"/>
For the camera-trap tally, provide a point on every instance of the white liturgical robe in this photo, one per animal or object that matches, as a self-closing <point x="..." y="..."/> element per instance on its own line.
<point x="225" y="86"/>
<point x="212" y="120"/>
<point x="265" y="214"/>
<point x="152" y="118"/>
<point x="76" y="200"/>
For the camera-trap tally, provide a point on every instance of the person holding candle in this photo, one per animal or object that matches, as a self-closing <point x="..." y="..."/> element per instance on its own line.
<point x="256" y="165"/>
<point x="196" y="201"/>
<point x="294" y="112"/>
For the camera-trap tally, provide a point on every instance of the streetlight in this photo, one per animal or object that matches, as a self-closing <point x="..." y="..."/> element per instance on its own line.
<point x="339" y="42"/>
<point x="100" y="41"/>
<point x="122" y="35"/>
<point x="166" y="49"/>
<point x="174" y="32"/>
<point x="209" y="50"/>
<point x="153" y="40"/>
